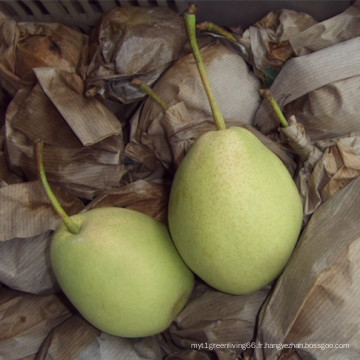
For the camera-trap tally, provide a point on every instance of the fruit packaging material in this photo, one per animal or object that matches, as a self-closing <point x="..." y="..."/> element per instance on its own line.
<point x="313" y="301"/>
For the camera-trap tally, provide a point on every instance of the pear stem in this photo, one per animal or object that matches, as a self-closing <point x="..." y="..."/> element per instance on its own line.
<point x="149" y="91"/>
<point x="190" y="22"/>
<point x="269" y="97"/>
<point x="70" y="224"/>
<point x="216" y="29"/>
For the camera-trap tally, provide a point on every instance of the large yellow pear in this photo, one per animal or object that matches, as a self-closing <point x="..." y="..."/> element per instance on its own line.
<point x="235" y="213"/>
<point x="121" y="271"/>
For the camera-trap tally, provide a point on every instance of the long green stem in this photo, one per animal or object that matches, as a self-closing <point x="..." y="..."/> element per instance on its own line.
<point x="216" y="29"/>
<point x="70" y="224"/>
<point x="190" y="21"/>
<point x="268" y="96"/>
<point x="149" y="91"/>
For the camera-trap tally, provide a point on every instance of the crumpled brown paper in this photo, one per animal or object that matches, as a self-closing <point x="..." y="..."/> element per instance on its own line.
<point x="76" y="339"/>
<point x="143" y="196"/>
<point x="341" y="27"/>
<point x="6" y="175"/>
<point x="83" y="139"/>
<point x="314" y="303"/>
<point x="28" y="212"/>
<point x="129" y="41"/>
<point x="325" y="166"/>
<point x="266" y="44"/>
<point x="338" y="165"/>
<point x="28" y="220"/>
<point x="217" y="323"/>
<point x="318" y="87"/>
<point x="25" y="264"/>
<point x="162" y="138"/>
<point x="27" y="45"/>
<point x="26" y="320"/>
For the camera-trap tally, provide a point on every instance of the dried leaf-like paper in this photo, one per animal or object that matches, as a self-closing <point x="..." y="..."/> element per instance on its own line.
<point x="266" y="43"/>
<point x="131" y="41"/>
<point x="212" y="317"/>
<point x="339" y="28"/>
<point x="28" y="220"/>
<point x="337" y="166"/>
<point x="143" y="196"/>
<point x="25" y="322"/>
<point x="295" y="136"/>
<point x="7" y="177"/>
<point x="73" y="339"/>
<point x="166" y="136"/>
<point x="28" y="45"/>
<point x="26" y="210"/>
<point x="83" y="139"/>
<point x="76" y="339"/>
<point x="25" y="264"/>
<point x="315" y="300"/>
<point x="318" y="89"/>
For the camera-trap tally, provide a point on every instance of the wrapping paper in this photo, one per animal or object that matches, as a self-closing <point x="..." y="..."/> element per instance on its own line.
<point x="144" y="196"/>
<point x="332" y="31"/>
<point x="83" y="139"/>
<point x="118" y="45"/>
<point x="266" y="44"/>
<point x="75" y="339"/>
<point x="213" y="318"/>
<point x="6" y="175"/>
<point x="316" y="90"/>
<point x="317" y="87"/>
<point x="27" y="45"/>
<point x="337" y="166"/>
<point x="315" y="300"/>
<point x="26" y="234"/>
<point x="25" y="322"/>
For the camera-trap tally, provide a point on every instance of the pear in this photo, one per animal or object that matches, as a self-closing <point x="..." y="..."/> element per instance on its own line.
<point x="119" y="268"/>
<point x="235" y="213"/>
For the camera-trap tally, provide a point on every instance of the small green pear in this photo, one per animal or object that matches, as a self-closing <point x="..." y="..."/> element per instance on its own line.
<point x="234" y="213"/>
<point x="121" y="271"/>
<point x="119" y="268"/>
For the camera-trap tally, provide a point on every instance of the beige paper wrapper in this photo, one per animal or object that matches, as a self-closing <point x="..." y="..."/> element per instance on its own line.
<point x="7" y="177"/>
<point x="339" y="28"/>
<point x="314" y="301"/>
<point x="28" y="221"/>
<point x="76" y="339"/>
<point x="28" y="212"/>
<point x="132" y="41"/>
<point x="337" y="166"/>
<point x="27" y="45"/>
<point x="25" y="322"/>
<point x="25" y="265"/>
<point x="143" y="196"/>
<point x="318" y="87"/>
<point x="212" y="317"/>
<point x="83" y="139"/>
<point x="266" y="44"/>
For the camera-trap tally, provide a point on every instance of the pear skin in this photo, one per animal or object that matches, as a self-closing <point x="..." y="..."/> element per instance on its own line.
<point x="121" y="271"/>
<point x="235" y="213"/>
